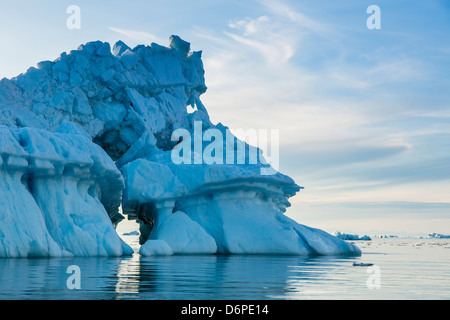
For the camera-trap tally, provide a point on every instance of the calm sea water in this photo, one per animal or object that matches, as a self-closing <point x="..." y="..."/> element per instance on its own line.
<point x="405" y="268"/>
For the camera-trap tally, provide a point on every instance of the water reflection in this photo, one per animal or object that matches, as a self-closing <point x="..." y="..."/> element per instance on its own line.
<point x="409" y="270"/>
<point x="174" y="277"/>
<point x="214" y="277"/>
<point x="47" y="278"/>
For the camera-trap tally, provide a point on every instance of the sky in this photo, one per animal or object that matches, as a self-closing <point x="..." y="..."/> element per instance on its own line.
<point x="363" y="114"/>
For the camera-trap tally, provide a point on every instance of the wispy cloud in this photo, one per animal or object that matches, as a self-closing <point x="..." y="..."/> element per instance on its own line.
<point x="306" y="23"/>
<point x="275" y="53"/>
<point x="266" y="37"/>
<point x="139" y="36"/>
<point x="277" y="34"/>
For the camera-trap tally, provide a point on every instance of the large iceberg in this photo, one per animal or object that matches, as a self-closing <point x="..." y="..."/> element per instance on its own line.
<point x="98" y="128"/>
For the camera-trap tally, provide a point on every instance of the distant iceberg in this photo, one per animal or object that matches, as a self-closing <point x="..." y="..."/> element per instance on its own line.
<point x="131" y="233"/>
<point x="350" y="237"/>
<point x="438" y="236"/>
<point x="95" y="129"/>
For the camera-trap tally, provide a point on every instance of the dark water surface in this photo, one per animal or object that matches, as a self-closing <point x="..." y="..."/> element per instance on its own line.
<point x="407" y="269"/>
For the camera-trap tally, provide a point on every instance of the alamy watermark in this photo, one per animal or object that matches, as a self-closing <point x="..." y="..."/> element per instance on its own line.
<point x="74" y="280"/>
<point x="74" y="19"/>
<point x="374" y="280"/>
<point x="213" y="146"/>
<point x="374" y="20"/>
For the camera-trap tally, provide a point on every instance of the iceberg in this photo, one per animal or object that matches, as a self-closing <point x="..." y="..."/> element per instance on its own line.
<point x="56" y="190"/>
<point x="97" y="129"/>
<point x="351" y="237"/>
<point x="435" y="235"/>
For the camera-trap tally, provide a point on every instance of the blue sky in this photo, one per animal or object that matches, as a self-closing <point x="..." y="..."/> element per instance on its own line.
<point x="364" y="115"/>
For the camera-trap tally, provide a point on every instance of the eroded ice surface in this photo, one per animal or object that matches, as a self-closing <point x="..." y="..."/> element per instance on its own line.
<point x="94" y="129"/>
<point x="55" y="190"/>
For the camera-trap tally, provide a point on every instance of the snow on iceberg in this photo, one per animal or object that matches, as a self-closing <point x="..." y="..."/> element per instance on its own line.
<point x="99" y="126"/>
